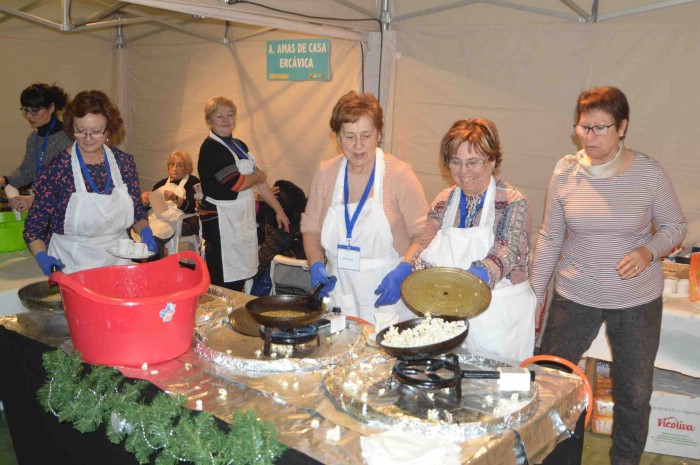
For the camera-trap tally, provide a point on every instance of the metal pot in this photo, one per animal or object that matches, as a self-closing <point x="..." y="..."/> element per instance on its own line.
<point x="413" y="353"/>
<point x="41" y="296"/>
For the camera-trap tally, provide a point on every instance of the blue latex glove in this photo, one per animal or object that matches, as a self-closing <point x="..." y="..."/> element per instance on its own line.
<point x="148" y="239"/>
<point x="46" y="262"/>
<point x="319" y="275"/>
<point x="480" y="273"/>
<point x="390" y="288"/>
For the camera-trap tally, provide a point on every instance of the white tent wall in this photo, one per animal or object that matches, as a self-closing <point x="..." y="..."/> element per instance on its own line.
<point x="162" y="83"/>
<point x="525" y="71"/>
<point x="521" y="69"/>
<point x="285" y="124"/>
<point x="30" y="53"/>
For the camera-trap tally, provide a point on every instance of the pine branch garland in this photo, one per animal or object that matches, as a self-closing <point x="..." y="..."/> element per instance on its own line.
<point x="162" y="431"/>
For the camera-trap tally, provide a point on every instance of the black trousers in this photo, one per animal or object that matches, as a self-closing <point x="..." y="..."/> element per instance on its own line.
<point x="212" y="254"/>
<point x="633" y="334"/>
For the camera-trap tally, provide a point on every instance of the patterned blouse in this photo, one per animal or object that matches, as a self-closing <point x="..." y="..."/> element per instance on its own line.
<point x="509" y="257"/>
<point x="54" y="186"/>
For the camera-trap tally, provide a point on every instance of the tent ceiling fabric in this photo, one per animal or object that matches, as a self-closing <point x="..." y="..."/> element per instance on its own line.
<point x="342" y="19"/>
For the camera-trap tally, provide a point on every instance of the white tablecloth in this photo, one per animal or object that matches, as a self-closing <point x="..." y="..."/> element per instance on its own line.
<point x="680" y="338"/>
<point x="17" y="269"/>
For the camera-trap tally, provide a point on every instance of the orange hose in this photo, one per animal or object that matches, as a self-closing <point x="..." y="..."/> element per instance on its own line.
<point x="358" y="320"/>
<point x="575" y="369"/>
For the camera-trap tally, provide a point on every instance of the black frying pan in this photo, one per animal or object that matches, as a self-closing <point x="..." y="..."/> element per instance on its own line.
<point x="41" y="296"/>
<point x="413" y="353"/>
<point x="273" y="310"/>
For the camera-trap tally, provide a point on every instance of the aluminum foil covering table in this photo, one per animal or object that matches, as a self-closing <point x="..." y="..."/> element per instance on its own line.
<point x="219" y="343"/>
<point x="302" y="410"/>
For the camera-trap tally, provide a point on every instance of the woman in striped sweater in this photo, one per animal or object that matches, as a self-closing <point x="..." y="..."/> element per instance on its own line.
<point x="611" y="213"/>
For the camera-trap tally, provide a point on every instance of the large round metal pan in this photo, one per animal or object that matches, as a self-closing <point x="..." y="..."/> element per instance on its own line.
<point x="413" y="353"/>
<point x="448" y="293"/>
<point x="41" y="296"/>
<point x="274" y="310"/>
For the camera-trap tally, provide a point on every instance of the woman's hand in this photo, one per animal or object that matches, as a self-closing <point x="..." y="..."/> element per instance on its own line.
<point x="146" y="198"/>
<point x="634" y="263"/>
<point x="169" y="195"/>
<point x="21" y="203"/>
<point x="262" y="177"/>
<point x="47" y="263"/>
<point x="389" y="290"/>
<point x="282" y="220"/>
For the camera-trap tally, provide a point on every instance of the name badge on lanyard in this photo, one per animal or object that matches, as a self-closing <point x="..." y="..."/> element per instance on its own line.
<point x="348" y="255"/>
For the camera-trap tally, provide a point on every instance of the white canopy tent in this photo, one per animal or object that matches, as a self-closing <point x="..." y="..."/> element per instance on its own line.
<point x="519" y="63"/>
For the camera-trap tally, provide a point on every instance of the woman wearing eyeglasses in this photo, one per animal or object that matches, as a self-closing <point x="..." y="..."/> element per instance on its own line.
<point x="40" y="105"/>
<point x="611" y="213"/>
<point x="88" y="197"/>
<point x="178" y="191"/>
<point x="230" y="176"/>
<point x="483" y="226"/>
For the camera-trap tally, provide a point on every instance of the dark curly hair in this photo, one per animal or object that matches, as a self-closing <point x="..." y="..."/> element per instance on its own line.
<point x="40" y="95"/>
<point x="97" y="103"/>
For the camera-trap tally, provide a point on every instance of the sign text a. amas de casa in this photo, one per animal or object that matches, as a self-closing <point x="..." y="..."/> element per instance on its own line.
<point x="298" y="60"/>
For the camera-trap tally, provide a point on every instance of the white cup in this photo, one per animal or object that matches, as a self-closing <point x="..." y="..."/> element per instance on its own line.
<point x="125" y="246"/>
<point x="683" y="286"/>
<point x="670" y="285"/>
<point x="139" y="249"/>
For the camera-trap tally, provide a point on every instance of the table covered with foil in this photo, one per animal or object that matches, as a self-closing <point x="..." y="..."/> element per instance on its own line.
<point x="346" y="387"/>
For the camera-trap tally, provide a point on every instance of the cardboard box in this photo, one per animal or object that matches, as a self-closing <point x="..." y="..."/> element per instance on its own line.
<point x="674" y="424"/>
<point x="601" y="424"/>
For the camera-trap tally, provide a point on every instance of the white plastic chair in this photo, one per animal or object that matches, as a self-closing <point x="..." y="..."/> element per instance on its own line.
<point x="289" y="275"/>
<point x="173" y="244"/>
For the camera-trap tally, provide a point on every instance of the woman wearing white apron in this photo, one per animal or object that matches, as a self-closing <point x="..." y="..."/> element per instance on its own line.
<point x="228" y="175"/>
<point x="483" y="226"/>
<point x="89" y="195"/>
<point x="365" y="214"/>
<point x="178" y="191"/>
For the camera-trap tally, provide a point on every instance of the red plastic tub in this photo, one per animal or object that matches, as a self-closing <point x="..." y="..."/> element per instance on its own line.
<point x="133" y="314"/>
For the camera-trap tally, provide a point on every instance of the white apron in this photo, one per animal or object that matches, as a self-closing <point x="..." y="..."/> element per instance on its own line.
<point x="354" y="291"/>
<point x="94" y="222"/>
<point x="237" y="226"/>
<point x="507" y="327"/>
<point x="165" y="224"/>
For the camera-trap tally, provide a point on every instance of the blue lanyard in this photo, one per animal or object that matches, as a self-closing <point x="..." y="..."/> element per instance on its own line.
<point x="350" y="223"/>
<point x="39" y="157"/>
<point x="237" y="149"/>
<point x="84" y="169"/>
<point x="463" y="219"/>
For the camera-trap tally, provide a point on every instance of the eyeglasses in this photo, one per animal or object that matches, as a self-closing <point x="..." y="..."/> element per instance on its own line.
<point x="85" y="134"/>
<point x="176" y="165"/>
<point x="30" y="111"/>
<point x="473" y="164"/>
<point x="598" y="130"/>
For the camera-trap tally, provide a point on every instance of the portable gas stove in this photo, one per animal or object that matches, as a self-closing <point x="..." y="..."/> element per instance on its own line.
<point x="240" y="344"/>
<point x="288" y="336"/>
<point x="448" y="395"/>
<point x="437" y="373"/>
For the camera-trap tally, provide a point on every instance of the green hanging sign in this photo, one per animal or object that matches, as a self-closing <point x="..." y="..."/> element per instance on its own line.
<point x="298" y="60"/>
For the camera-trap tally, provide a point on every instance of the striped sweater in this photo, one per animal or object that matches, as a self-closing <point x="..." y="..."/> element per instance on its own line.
<point x="590" y="224"/>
